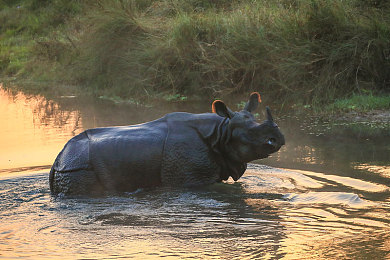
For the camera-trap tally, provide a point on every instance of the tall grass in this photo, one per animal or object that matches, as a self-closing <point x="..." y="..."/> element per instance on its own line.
<point x="33" y="37"/>
<point x="308" y="51"/>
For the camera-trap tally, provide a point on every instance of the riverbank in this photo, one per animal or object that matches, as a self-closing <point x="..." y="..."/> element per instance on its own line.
<point x="357" y="108"/>
<point x="363" y="109"/>
<point x="371" y="116"/>
<point x="310" y="53"/>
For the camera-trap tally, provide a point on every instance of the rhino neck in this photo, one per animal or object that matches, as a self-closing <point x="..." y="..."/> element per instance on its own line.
<point x="220" y="141"/>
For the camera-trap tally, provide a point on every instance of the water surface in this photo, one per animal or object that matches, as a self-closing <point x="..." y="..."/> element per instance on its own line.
<point x="331" y="200"/>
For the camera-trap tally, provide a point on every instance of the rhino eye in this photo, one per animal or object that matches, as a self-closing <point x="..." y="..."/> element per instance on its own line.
<point x="271" y="141"/>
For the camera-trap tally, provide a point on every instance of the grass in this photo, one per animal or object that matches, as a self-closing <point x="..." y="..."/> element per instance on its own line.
<point x="361" y="103"/>
<point x="33" y="37"/>
<point x="310" y="52"/>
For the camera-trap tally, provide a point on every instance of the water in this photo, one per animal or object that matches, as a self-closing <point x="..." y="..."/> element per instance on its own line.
<point x="331" y="200"/>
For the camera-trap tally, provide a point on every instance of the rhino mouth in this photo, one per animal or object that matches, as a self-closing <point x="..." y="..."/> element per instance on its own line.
<point x="272" y="145"/>
<point x="269" y="147"/>
<point x="264" y="154"/>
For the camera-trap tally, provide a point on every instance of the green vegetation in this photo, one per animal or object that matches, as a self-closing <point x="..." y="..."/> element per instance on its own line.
<point x="361" y="103"/>
<point x="310" y="52"/>
<point x="35" y="39"/>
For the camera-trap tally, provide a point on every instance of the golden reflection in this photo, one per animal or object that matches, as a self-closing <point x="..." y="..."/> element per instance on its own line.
<point x="298" y="153"/>
<point x="386" y="247"/>
<point x="313" y="221"/>
<point x="382" y="170"/>
<point x="320" y="233"/>
<point x="33" y="130"/>
<point x="309" y="155"/>
<point x="348" y="181"/>
<point x="310" y="231"/>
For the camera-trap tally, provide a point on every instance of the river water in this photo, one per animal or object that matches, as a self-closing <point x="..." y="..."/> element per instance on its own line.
<point x="328" y="198"/>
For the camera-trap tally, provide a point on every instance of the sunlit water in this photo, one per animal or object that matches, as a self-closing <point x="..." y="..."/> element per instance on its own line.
<point x="335" y="204"/>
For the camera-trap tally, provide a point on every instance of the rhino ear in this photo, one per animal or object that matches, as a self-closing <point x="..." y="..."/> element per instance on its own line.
<point x="221" y="109"/>
<point x="253" y="102"/>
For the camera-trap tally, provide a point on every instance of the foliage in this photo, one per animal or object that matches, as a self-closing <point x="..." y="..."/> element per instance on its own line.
<point x="361" y="103"/>
<point x="307" y="51"/>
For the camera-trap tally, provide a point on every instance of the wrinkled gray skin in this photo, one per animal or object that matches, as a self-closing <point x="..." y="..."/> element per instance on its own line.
<point x="179" y="149"/>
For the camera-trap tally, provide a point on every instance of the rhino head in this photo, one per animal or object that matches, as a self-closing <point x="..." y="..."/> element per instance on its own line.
<point x="249" y="140"/>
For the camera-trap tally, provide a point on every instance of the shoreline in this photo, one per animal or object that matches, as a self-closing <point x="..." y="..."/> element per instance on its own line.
<point x="377" y="115"/>
<point x="372" y="115"/>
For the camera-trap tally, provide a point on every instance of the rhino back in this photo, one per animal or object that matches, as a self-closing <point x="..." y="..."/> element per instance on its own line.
<point x="74" y="156"/>
<point x="129" y="157"/>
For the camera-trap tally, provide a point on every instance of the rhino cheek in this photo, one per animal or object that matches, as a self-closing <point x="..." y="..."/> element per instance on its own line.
<point x="235" y="150"/>
<point x="233" y="154"/>
<point x="247" y="153"/>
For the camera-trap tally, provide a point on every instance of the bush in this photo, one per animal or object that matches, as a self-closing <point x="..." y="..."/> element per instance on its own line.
<point x="310" y="51"/>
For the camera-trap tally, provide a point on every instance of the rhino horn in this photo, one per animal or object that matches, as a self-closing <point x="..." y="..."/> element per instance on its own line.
<point x="269" y="116"/>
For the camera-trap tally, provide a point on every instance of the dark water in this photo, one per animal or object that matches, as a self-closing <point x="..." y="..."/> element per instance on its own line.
<point x="331" y="200"/>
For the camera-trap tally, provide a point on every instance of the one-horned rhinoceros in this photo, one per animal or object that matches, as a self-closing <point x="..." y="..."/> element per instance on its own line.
<point x="179" y="149"/>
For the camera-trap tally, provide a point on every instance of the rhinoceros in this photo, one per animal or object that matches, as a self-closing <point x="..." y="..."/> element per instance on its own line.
<point x="179" y="149"/>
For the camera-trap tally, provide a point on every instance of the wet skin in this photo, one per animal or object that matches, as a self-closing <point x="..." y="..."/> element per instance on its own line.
<point x="179" y="149"/>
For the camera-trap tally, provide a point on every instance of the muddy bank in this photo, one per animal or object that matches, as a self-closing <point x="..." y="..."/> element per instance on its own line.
<point x="373" y="116"/>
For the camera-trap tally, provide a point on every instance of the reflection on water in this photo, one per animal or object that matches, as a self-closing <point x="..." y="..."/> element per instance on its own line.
<point x="344" y="148"/>
<point x="33" y="130"/>
<point x="336" y="206"/>
<point x="376" y="169"/>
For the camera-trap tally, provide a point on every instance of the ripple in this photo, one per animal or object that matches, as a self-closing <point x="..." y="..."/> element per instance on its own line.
<point x="330" y="198"/>
<point x="227" y="220"/>
<point x="348" y="181"/>
<point x="278" y="179"/>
